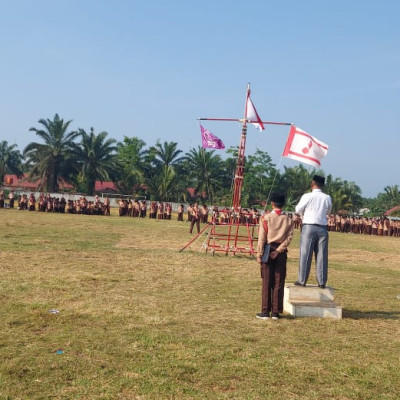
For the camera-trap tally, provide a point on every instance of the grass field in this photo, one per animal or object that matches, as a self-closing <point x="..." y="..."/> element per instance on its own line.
<point x="138" y="320"/>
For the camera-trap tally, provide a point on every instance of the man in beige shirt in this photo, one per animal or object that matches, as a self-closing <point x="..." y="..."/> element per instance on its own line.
<point x="276" y="229"/>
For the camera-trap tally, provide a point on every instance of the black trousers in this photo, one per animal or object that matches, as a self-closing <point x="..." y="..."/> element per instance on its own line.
<point x="273" y="276"/>
<point x="195" y="221"/>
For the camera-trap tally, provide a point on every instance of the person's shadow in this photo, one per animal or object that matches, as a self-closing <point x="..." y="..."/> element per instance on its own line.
<point x="355" y="314"/>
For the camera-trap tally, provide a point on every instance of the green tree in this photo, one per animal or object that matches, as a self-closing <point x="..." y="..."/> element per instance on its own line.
<point x="203" y="169"/>
<point x="392" y="195"/>
<point x="167" y="183"/>
<point x="10" y="160"/>
<point x="227" y="177"/>
<point x="259" y="178"/>
<point x="159" y="169"/>
<point x="384" y="201"/>
<point x="52" y="159"/>
<point x="131" y="157"/>
<point x="345" y="195"/>
<point x="294" y="182"/>
<point x="96" y="159"/>
<point x="166" y="153"/>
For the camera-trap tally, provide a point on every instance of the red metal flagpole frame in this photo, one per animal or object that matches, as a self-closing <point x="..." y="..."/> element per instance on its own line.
<point x="239" y="172"/>
<point x="238" y="182"/>
<point x="236" y="241"/>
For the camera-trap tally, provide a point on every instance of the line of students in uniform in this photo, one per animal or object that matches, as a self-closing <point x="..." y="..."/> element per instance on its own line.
<point x="129" y="208"/>
<point x="197" y="215"/>
<point x="138" y="209"/>
<point x="378" y="226"/>
<point x="222" y="215"/>
<point x="47" y="203"/>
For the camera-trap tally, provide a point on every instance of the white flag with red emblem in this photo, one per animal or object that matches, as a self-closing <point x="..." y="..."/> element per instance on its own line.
<point x="252" y="114"/>
<point x="305" y="148"/>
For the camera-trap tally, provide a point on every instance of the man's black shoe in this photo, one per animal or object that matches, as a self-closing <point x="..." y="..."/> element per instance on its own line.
<point x="321" y="286"/>
<point x="275" y="316"/>
<point x="297" y="283"/>
<point x="262" y="316"/>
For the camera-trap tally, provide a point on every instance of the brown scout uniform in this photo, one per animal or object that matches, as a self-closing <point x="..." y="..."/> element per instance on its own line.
<point x="278" y="235"/>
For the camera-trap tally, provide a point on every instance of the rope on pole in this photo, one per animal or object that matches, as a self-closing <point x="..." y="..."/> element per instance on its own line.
<point x="273" y="182"/>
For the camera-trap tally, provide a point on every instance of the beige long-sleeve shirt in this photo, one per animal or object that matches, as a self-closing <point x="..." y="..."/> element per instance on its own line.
<point x="280" y="230"/>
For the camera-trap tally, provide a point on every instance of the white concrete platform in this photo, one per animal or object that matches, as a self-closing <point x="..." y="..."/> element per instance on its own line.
<point x="311" y="301"/>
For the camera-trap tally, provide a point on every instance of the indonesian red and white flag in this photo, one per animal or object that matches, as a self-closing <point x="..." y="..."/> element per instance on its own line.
<point x="252" y="114"/>
<point x="305" y="148"/>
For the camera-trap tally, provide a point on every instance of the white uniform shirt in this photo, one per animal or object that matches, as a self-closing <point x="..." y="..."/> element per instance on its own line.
<point x="314" y="207"/>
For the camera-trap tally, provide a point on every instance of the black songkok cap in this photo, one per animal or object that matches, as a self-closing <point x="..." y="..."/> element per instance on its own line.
<point x="278" y="198"/>
<point x="320" y="180"/>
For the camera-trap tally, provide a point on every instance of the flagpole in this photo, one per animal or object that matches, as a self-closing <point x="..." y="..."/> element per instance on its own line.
<point x="205" y="168"/>
<point x="250" y="116"/>
<point x="238" y="182"/>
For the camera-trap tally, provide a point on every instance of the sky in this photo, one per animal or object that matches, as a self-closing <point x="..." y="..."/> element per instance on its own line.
<point x="150" y="68"/>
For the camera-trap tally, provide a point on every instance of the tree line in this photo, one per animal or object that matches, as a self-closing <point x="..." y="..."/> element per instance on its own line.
<point x="163" y="172"/>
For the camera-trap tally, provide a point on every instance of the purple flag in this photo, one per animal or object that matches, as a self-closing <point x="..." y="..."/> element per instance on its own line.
<point x="209" y="140"/>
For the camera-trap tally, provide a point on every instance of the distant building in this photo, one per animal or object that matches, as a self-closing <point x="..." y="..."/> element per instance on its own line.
<point x="105" y="187"/>
<point x="392" y="210"/>
<point x="12" y="182"/>
<point x="363" y="211"/>
<point x="23" y="183"/>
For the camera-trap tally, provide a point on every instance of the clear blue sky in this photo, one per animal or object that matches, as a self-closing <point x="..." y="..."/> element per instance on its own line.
<point x="150" y="68"/>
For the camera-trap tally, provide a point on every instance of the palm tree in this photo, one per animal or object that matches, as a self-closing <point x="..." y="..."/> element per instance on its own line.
<point x="95" y="157"/>
<point x="162" y="184"/>
<point x="295" y="182"/>
<point x="392" y="193"/>
<point x="53" y="159"/>
<point x="203" y="170"/>
<point x="167" y="183"/>
<point x="385" y="201"/>
<point x="159" y="169"/>
<point x="166" y="153"/>
<point x="10" y="160"/>
<point x="345" y="195"/>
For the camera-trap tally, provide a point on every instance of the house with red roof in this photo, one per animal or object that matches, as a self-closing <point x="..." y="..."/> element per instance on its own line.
<point x="13" y="182"/>
<point x="105" y="187"/>
<point x="392" y="210"/>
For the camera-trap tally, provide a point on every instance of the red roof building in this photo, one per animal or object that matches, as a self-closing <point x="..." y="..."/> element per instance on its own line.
<point x="388" y="212"/>
<point x="108" y="187"/>
<point x="23" y="183"/>
<point x="13" y="182"/>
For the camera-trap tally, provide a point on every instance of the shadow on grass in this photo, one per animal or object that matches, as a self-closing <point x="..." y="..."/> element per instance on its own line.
<point x="355" y="314"/>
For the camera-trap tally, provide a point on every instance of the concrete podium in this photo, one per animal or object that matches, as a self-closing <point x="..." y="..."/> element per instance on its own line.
<point x="311" y="301"/>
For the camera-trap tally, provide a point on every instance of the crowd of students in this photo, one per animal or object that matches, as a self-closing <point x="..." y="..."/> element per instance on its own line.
<point x="197" y="215"/>
<point x="138" y="209"/>
<point x="47" y="203"/>
<point x="203" y="214"/>
<point x="380" y="226"/>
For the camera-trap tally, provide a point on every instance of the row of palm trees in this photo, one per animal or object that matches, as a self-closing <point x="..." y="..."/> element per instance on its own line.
<point x="161" y="171"/>
<point x="386" y="200"/>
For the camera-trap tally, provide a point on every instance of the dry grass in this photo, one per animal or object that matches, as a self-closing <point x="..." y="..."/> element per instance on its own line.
<point x="138" y="320"/>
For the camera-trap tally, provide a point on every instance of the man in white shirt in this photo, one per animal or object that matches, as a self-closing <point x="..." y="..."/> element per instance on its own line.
<point x="314" y="208"/>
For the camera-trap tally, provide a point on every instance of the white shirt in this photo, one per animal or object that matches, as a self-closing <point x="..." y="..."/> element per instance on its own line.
<point x="314" y="207"/>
